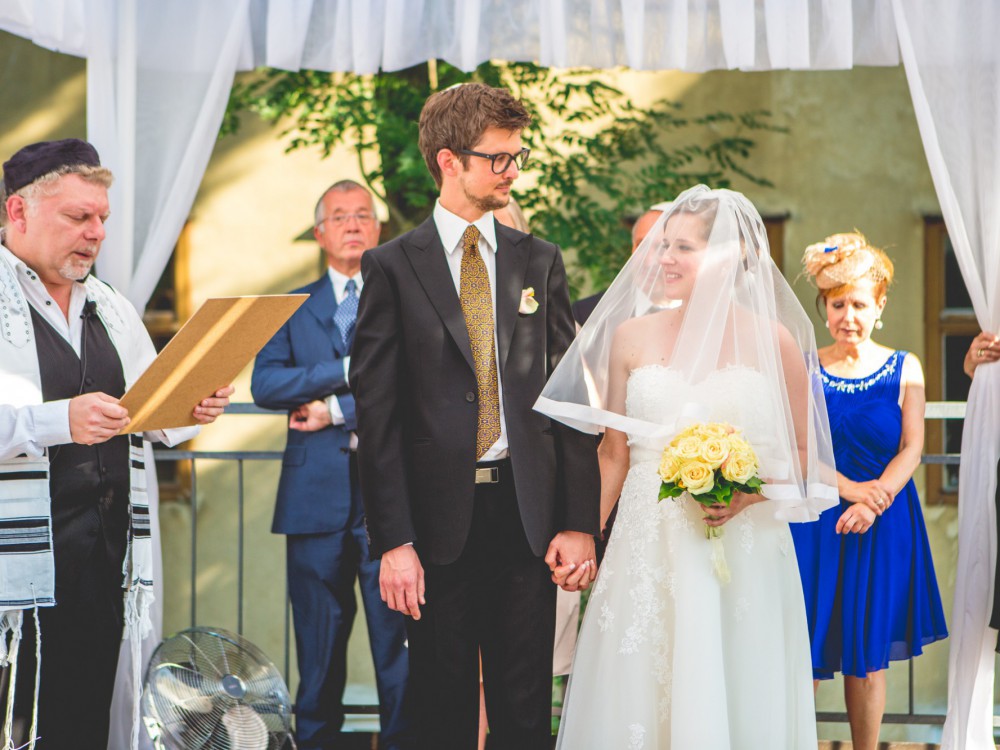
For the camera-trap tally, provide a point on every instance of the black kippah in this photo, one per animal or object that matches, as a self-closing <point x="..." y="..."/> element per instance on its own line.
<point x="38" y="159"/>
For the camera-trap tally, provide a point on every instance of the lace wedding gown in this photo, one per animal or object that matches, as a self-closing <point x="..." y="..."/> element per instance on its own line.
<point x="669" y="657"/>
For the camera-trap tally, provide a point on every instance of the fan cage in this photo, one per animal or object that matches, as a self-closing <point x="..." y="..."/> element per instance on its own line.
<point x="209" y="689"/>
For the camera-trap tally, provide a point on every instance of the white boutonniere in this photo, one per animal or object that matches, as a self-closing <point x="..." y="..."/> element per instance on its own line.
<point x="528" y="304"/>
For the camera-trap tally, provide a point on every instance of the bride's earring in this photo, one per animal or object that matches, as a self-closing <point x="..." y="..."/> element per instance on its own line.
<point x="878" y="324"/>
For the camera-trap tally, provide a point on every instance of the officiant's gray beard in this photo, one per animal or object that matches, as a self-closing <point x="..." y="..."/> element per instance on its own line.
<point x="75" y="269"/>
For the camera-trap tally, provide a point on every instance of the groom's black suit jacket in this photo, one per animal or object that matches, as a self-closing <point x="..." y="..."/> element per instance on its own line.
<point x="415" y="390"/>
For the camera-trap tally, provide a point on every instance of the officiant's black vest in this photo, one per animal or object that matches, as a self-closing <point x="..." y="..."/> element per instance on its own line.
<point x="89" y="484"/>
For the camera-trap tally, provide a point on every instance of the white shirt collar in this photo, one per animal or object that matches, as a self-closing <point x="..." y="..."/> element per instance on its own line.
<point x="16" y="262"/>
<point x="36" y="292"/>
<point x="339" y="282"/>
<point x="451" y="228"/>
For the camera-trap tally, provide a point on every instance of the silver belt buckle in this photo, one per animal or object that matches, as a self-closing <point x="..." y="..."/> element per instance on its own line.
<point x="487" y="475"/>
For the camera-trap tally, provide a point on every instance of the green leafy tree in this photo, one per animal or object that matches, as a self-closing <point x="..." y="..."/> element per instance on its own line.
<point x="597" y="157"/>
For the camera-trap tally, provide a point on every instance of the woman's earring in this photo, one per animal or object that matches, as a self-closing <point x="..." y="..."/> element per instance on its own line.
<point x="878" y="324"/>
<point x="826" y="323"/>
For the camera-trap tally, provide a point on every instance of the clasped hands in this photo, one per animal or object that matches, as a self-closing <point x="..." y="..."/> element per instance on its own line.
<point x="97" y="417"/>
<point x="868" y="501"/>
<point x="310" y="417"/>
<point x="570" y="557"/>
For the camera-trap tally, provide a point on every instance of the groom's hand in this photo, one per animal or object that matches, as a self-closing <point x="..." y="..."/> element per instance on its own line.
<point x="401" y="580"/>
<point x="571" y="558"/>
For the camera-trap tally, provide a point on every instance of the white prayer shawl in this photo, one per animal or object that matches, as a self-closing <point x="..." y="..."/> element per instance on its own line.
<point x="27" y="565"/>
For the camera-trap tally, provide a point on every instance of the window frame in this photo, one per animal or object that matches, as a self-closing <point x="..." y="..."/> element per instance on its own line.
<point x="938" y="324"/>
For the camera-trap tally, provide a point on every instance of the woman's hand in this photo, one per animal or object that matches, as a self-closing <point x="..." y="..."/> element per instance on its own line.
<point x="984" y="348"/>
<point x="856" y="520"/>
<point x="718" y="514"/>
<point x="875" y="494"/>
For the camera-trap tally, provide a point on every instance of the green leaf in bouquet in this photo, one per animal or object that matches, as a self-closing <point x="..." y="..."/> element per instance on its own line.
<point x="752" y="486"/>
<point x="722" y="492"/>
<point x="669" y="489"/>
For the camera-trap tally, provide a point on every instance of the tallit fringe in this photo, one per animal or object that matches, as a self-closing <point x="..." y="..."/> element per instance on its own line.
<point x="33" y="733"/>
<point x="138" y="625"/>
<point x="11" y="625"/>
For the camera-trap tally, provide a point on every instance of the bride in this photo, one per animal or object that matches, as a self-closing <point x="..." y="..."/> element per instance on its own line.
<point x="691" y="643"/>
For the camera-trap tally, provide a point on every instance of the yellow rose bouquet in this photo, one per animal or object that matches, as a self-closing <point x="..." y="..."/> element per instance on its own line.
<point x="711" y="462"/>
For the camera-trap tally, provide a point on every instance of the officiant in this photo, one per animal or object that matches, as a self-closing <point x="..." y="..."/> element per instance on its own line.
<point x="75" y="557"/>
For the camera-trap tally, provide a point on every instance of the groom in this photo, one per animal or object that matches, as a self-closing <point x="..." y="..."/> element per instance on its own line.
<point x="475" y="502"/>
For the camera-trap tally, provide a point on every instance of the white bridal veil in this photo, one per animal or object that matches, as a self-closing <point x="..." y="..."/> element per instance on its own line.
<point x="701" y="294"/>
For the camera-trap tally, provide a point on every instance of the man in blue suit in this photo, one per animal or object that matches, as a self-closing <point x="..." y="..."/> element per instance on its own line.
<point x="304" y="370"/>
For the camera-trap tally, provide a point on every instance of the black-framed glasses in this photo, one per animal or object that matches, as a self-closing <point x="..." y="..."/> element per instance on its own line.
<point x="501" y="162"/>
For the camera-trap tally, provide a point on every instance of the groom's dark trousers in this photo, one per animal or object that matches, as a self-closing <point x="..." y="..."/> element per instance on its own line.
<point x="480" y="530"/>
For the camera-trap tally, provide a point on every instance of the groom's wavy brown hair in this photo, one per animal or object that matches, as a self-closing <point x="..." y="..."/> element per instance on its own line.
<point x="457" y="118"/>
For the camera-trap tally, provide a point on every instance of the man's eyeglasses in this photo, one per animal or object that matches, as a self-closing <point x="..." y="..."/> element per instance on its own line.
<point x="339" y="219"/>
<point x="501" y="162"/>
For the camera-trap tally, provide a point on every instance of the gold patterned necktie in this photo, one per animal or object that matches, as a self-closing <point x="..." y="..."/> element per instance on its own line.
<point x="477" y="307"/>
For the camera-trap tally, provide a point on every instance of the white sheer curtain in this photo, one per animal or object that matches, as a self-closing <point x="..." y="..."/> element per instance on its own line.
<point x="953" y="66"/>
<point x="157" y="89"/>
<point x="159" y="72"/>
<point x="694" y="35"/>
<point x="158" y="79"/>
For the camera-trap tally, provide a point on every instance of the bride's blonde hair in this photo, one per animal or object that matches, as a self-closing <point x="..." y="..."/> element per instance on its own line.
<point x="842" y="260"/>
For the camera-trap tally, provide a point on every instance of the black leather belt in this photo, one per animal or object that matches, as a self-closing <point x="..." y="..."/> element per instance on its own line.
<point x="487" y="475"/>
<point x="490" y="472"/>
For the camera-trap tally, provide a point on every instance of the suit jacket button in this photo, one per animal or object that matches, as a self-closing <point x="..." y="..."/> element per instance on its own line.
<point x="470" y="397"/>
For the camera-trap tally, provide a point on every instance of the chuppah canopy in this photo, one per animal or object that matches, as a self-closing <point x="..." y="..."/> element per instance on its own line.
<point x="159" y="76"/>
<point x="159" y="73"/>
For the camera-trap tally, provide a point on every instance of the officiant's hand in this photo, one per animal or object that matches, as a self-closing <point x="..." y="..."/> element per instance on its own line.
<point x="571" y="558"/>
<point x="212" y="407"/>
<point x="401" y="580"/>
<point x="95" y="418"/>
<point x="310" y="417"/>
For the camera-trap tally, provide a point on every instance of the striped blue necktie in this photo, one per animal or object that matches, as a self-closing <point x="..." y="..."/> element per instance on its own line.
<point x="347" y="313"/>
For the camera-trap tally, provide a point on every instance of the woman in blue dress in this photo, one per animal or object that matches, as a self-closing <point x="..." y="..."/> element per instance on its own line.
<point x="867" y="575"/>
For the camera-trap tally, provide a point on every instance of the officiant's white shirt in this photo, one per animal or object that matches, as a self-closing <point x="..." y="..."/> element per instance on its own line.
<point x="34" y="427"/>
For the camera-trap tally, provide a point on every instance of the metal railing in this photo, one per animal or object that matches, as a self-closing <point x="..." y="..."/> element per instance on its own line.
<point x="944" y="410"/>
<point x="239" y="458"/>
